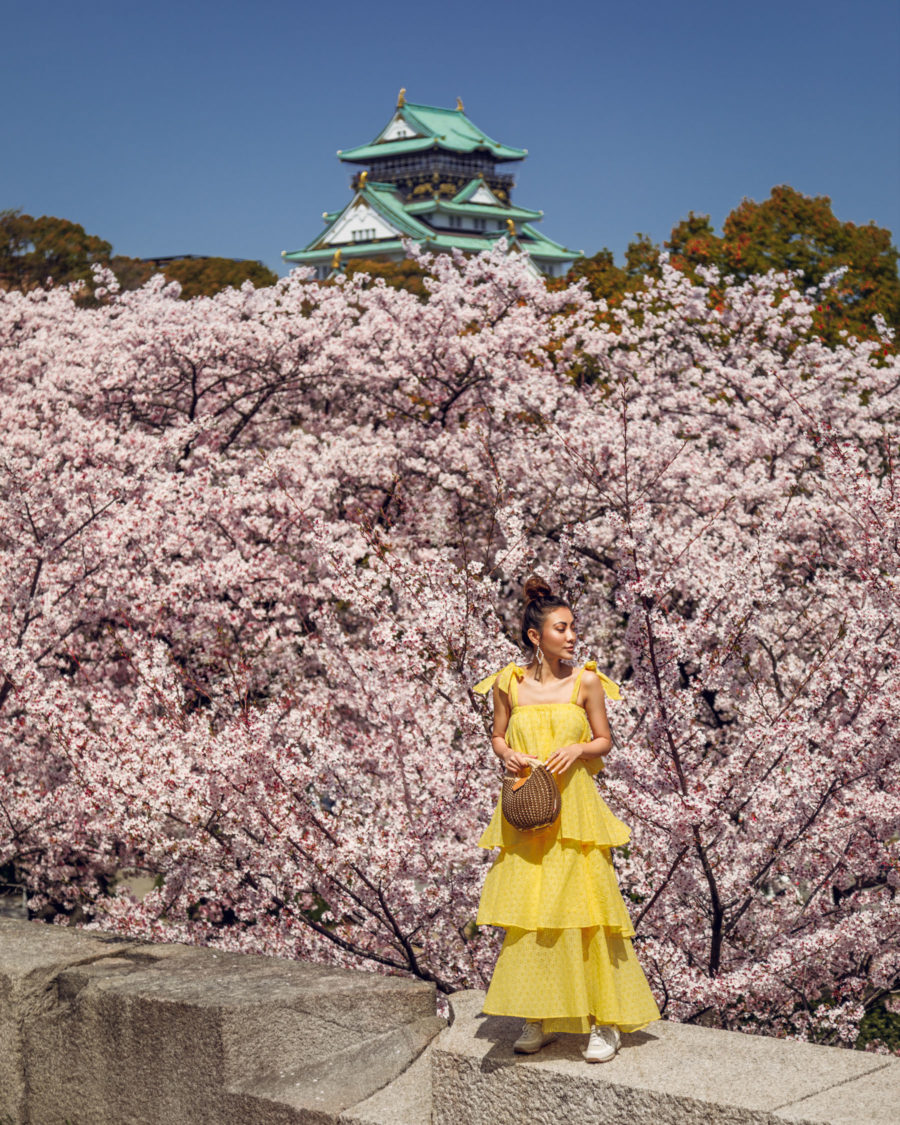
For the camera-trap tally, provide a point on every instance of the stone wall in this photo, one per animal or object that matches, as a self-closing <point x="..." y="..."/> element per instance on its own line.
<point x="96" y="1030"/>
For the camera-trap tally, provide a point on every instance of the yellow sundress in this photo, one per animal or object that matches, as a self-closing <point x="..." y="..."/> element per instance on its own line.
<point x="567" y="957"/>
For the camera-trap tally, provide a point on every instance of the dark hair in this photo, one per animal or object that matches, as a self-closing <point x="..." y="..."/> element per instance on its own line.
<point x="539" y="602"/>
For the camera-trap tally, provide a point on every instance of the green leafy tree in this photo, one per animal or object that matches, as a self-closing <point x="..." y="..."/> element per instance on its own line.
<point x="793" y="231"/>
<point x="605" y="279"/>
<point x="36" y="250"/>
<point x="641" y="259"/>
<point x="694" y="242"/>
<point x="203" y="277"/>
<point x="131" y="273"/>
<point x="398" y="275"/>
<point x="198" y="277"/>
<point x="611" y="282"/>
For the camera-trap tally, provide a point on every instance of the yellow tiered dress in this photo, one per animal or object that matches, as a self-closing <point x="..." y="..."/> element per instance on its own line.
<point x="567" y="957"/>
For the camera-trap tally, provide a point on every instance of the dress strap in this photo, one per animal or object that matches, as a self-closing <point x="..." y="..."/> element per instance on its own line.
<point x="574" y="698"/>
<point x="505" y="679"/>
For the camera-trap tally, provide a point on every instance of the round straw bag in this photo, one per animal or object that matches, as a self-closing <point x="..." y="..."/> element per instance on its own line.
<point x="532" y="802"/>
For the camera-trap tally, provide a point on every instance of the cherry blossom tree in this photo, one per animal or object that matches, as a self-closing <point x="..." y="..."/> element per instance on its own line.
<point x="258" y="547"/>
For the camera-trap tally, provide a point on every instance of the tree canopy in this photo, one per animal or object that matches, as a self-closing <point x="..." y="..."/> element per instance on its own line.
<point x="198" y="277"/>
<point x="793" y="231"/>
<point x="407" y="274"/>
<point x="36" y="251"/>
<point x="787" y="231"/>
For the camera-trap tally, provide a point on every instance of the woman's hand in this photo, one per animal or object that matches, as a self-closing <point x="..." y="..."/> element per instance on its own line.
<point x="560" y="760"/>
<point x="517" y="762"/>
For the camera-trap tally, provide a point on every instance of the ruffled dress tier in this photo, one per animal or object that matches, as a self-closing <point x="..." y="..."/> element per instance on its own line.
<point x="567" y="957"/>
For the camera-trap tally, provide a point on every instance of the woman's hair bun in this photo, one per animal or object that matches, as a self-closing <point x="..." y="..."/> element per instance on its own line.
<point x="535" y="589"/>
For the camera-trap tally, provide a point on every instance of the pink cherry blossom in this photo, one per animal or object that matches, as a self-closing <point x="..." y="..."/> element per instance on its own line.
<point x="256" y="549"/>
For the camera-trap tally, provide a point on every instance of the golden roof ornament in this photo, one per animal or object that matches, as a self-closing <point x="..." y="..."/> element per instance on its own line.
<point x="459" y="105"/>
<point x="363" y="176"/>
<point x="511" y="226"/>
<point x="336" y="260"/>
<point x="401" y="98"/>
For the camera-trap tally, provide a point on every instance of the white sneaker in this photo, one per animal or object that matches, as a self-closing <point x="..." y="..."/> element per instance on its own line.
<point x="532" y="1038"/>
<point x="603" y="1044"/>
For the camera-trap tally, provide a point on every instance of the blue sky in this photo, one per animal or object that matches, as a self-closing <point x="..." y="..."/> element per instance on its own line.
<point x="212" y="127"/>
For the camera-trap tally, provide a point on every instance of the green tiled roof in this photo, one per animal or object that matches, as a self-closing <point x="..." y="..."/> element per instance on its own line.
<point x="539" y="246"/>
<point x="466" y="193"/>
<point x="488" y="210"/>
<point x="462" y="240"/>
<point x="384" y="198"/>
<point x="474" y="243"/>
<point x="351" y="250"/>
<point x="436" y="128"/>
<point x="448" y="129"/>
<point x="540" y="249"/>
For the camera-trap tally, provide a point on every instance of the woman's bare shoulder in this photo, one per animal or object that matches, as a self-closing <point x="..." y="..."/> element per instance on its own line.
<point x="590" y="683"/>
<point x="591" y="677"/>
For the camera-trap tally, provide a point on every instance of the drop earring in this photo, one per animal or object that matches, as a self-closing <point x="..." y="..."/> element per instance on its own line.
<point x="540" y="655"/>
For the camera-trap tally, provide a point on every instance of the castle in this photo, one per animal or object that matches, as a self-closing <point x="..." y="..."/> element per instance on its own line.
<point x="433" y="176"/>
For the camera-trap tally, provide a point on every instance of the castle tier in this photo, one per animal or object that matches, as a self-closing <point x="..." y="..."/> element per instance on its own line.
<point x="433" y="176"/>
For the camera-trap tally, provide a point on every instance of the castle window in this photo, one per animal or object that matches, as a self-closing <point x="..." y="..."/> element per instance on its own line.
<point x="479" y="224"/>
<point x="364" y="235"/>
<point x="455" y="221"/>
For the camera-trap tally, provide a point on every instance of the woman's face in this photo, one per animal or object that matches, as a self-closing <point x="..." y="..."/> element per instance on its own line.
<point x="558" y="634"/>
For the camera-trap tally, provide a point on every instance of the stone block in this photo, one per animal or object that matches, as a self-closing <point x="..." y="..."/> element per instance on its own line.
<point x="406" y="1101"/>
<point x="324" y="1091"/>
<point x="668" y="1072"/>
<point x="31" y="956"/>
<point x="100" y="1031"/>
<point x="873" y="1099"/>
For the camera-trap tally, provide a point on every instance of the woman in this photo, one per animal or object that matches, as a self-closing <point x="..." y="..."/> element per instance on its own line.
<point x="567" y="962"/>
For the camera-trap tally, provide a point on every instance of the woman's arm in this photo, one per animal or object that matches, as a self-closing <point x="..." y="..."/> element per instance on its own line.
<point x="595" y="706"/>
<point x="512" y="759"/>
